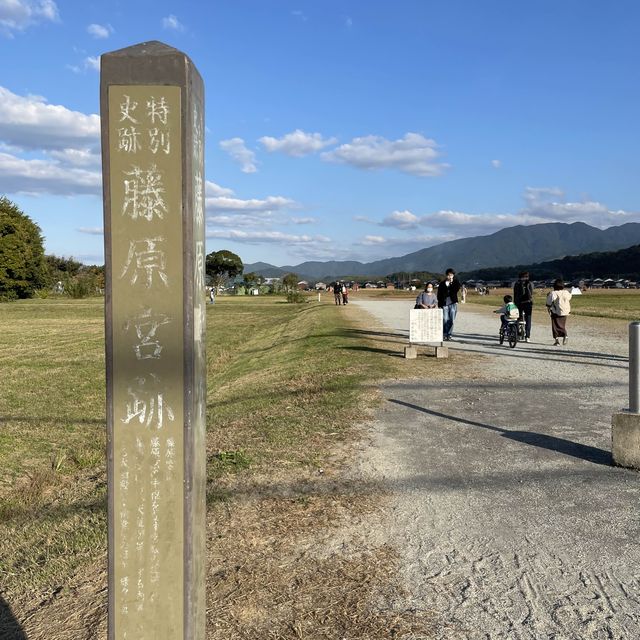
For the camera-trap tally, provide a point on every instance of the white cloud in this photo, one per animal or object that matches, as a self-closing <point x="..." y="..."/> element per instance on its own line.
<point x="297" y="144"/>
<point x="211" y="189"/>
<point x="368" y="240"/>
<point x="92" y="231"/>
<point x="496" y="164"/>
<point x="541" y="207"/>
<point x="266" y="237"/>
<point x="398" y="245"/>
<point x="270" y="203"/>
<point x="414" y="154"/>
<point x="548" y="205"/>
<point x="401" y="220"/>
<point x="77" y="157"/>
<point x="40" y="176"/>
<point x="99" y="31"/>
<point x="366" y="219"/>
<point x="171" y="22"/>
<point x="236" y="148"/>
<point x="30" y="123"/>
<point x="348" y="22"/>
<point x="300" y="15"/>
<point x="92" y="62"/>
<point x="18" y="15"/>
<point x="223" y="210"/>
<point x="537" y="195"/>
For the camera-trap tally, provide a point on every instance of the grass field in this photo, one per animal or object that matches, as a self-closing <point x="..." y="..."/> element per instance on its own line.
<point x="287" y="387"/>
<point x="623" y="304"/>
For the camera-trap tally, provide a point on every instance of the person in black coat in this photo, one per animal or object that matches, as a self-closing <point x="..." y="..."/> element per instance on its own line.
<point x="523" y="299"/>
<point x="448" y="301"/>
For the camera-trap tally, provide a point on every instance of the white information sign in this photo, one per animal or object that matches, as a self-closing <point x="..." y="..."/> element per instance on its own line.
<point x="425" y="326"/>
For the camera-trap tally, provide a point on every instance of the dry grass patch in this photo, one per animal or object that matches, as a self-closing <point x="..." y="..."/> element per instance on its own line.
<point x="305" y="566"/>
<point x="290" y="388"/>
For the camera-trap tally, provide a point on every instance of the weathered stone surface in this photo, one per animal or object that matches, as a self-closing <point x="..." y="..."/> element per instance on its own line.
<point x="153" y="179"/>
<point x="410" y="353"/>
<point x="625" y="439"/>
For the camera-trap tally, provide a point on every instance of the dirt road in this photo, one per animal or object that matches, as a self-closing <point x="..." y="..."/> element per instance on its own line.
<point x="510" y="521"/>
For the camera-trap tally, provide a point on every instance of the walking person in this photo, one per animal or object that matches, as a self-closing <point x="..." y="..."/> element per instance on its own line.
<point x="559" y="307"/>
<point x="345" y="293"/>
<point x="523" y="299"/>
<point x="448" y="301"/>
<point x="337" y="292"/>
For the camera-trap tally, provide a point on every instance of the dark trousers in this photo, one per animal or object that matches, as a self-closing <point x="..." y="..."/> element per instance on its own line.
<point x="558" y="326"/>
<point x="526" y="308"/>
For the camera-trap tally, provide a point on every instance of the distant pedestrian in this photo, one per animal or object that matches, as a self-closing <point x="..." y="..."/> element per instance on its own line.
<point x="559" y="307"/>
<point x="523" y="299"/>
<point x="448" y="301"/>
<point x="427" y="299"/>
<point x="337" y="293"/>
<point x="345" y="293"/>
<point x="212" y="295"/>
<point x="463" y="292"/>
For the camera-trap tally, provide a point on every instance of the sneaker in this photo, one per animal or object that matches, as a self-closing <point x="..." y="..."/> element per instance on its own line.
<point x="527" y="339"/>
<point x="556" y="343"/>
<point x="565" y="340"/>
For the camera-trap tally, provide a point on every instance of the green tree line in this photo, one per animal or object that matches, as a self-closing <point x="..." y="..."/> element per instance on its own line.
<point x="25" y="269"/>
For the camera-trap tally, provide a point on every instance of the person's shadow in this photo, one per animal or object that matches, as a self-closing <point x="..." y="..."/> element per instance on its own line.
<point x="10" y="628"/>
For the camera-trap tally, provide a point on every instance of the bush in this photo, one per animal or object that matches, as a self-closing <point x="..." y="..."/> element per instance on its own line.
<point x="82" y="286"/>
<point x="296" y="297"/>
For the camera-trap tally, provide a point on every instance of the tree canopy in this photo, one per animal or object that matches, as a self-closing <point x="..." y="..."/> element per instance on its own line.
<point x="290" y="281"/>
<point x="22" y="265"/>
<point x="221" y="264"/>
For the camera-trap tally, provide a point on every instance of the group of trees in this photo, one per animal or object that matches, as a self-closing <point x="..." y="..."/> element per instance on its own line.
<point x="26" y="270"/>
<point x="224" y="265"/>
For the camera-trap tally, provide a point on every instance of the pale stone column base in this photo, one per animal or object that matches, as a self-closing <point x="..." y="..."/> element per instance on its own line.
<point x="625" y="439"/>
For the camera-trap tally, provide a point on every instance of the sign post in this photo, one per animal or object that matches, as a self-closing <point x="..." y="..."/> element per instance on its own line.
<point x="425" y="327"/>
<point x="151" y="99"/>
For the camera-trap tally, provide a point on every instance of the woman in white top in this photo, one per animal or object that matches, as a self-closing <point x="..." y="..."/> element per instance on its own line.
<point x="559" y="307"/>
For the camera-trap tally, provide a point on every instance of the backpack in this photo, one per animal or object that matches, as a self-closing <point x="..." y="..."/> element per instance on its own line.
<point x="521" y="291"/>
<point x="511" y="311"/>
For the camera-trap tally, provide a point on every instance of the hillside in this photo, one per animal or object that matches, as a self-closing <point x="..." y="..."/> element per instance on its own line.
<point x="624" y="263"/>
<point x="511" y="246"/>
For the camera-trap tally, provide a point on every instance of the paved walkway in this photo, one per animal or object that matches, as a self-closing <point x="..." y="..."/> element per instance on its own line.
<point x="510" y="520"/>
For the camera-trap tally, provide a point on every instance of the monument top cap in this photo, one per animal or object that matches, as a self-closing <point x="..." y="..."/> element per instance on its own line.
<point x="151" y="48"/>
<point x="150" y="62"/>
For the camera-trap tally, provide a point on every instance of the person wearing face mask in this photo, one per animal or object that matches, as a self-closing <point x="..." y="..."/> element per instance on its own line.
<point x="448" y="301"/>
<point x="427" y="299"/>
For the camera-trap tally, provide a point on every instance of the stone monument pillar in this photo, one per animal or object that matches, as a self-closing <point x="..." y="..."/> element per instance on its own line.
<point x="151" y="102"/>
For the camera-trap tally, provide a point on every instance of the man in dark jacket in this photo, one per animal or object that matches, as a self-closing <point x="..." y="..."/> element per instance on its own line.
<point x="523" y="299"/>
<point x="448" y="301"/>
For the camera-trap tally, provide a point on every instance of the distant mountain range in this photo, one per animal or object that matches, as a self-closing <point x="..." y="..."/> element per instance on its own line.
<point x="517" y="245"/>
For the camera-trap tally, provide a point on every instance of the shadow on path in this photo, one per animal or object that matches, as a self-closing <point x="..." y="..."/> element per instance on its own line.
<point x="560" y="445"/>
<point x="561" y="355"/>
<point x="10" y="628"/>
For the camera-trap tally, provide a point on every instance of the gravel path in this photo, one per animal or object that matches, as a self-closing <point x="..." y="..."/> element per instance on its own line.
<point x="508" y="516"/>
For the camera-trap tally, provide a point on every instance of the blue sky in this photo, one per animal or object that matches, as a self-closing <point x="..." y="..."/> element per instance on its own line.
<point x="341" y="130"/>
